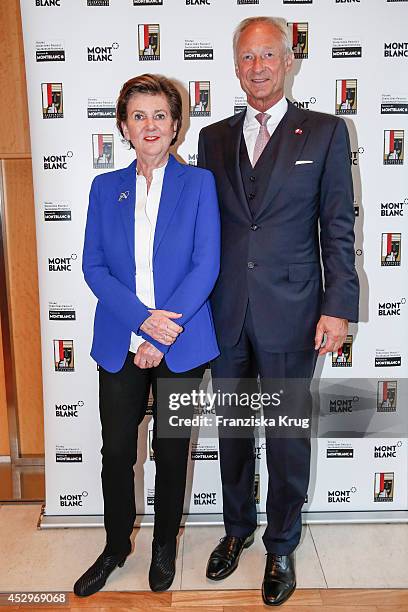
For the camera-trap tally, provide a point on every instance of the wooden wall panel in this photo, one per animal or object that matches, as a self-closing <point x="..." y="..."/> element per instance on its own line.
<point x="4" y="436"/>
<point x="21" y="269"/>
<point x="14" y="126"/>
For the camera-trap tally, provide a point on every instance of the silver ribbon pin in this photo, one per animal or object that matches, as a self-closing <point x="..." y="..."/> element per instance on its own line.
<point x="123" y="196"/>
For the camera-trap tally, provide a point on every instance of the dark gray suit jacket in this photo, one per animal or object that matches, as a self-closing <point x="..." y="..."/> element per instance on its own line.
<point x="306" y="219"/>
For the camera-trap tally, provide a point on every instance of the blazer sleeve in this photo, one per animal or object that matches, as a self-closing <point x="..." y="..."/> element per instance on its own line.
<point x="197" y="285"/>
<point x="341" y="293"/>
<point x="119" y="299"/>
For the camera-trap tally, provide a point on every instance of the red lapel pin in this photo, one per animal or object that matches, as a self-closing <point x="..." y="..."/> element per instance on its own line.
<point x="298" y="131"/>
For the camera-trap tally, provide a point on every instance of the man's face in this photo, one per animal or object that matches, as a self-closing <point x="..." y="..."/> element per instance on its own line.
<point x="261" y="64"/>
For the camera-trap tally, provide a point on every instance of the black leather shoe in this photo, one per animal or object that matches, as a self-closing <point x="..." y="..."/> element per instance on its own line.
<point x="279" y="580"/>
<point x="225" y="557"/>
<point x="96" y="576"/>
<point x="163" y="565"/>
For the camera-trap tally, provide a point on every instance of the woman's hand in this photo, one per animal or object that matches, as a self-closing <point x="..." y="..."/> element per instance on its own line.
<point x="147" y="356"/>
<point x="161" y="327"/>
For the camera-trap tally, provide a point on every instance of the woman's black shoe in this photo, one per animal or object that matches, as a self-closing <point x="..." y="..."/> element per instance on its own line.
<point x="163" y="565"/>
<point x="95" y="577"/>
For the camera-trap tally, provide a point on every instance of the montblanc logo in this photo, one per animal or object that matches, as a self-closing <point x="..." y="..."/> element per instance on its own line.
<point x="61" y="312"/>
<point x="101" y="108"/>
<point x="102" y="53"/>
<point x="65" y="454"/>
<point x="259" y="450"/>
<point x="57" y="162"/>
<point x="147" y="2"/>
<point x="198" y="50"/>
<point x="305" y="104"/>
<point x="61" y="264"/>
<point x="247" y="2"/>
<point x="385" y="451"/>
<point x="73" y="499"/>
<point x="396" y="49"/>
<point x="57" y="211"/>
<point x="68" y="410"/>
<point x="354" y="156"/>
<point x="340" y="496"/>
<point x="346" y="47"/>
<point x="343" y="404"/>
<point x="205" y="499"/>
<point x="47" y="2"/>
<point x="340" y="453"/>
<point x="49" y="51"/>
<point x="393" y="209"/>
<point x="197" y="2"/>
<point x="387" y="359"/>
<point x="98" y="3"/>
<point x="347" y="1"/>
<point x="392" y="104"/>
<point x="204" y="452"/>
<point x="390" y="309"/>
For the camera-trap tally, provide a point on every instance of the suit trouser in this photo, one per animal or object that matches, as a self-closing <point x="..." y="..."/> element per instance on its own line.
<point x="123" y="398"/>
<point x="288" y="458"/>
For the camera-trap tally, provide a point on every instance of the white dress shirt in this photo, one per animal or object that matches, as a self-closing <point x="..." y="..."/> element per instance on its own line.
<point x="252" y="125"/>
<point x="146" y="210"/>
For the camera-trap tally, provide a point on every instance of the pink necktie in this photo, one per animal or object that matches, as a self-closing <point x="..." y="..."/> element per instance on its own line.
<point x="263" y="136"/>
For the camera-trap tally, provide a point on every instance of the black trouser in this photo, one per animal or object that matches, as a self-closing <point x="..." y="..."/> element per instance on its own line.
<point x="288" y="459"/>
<point x="123" y="398"/>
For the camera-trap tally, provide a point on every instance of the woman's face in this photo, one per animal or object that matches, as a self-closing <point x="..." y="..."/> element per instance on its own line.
<point x="149" y="125"/>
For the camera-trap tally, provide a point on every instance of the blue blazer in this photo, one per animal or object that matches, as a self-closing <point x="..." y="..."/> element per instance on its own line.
<point x="186" y="254"/>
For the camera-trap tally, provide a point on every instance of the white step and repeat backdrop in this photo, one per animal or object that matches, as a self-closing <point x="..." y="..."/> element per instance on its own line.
<point x="352" y="59"/>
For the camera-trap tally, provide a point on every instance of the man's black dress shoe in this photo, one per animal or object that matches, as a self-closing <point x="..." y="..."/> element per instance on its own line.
<point x="279" y="580"/>
<point x="95" y="577"/>
<point x="224" y="558"/>
<point x="163" y="565"/>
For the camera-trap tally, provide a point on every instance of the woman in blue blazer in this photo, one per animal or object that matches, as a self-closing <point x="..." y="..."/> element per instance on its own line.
<point x="151" y="257"/>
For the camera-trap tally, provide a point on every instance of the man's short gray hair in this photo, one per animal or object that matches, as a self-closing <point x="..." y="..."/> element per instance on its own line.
<point x="277" y="22"/>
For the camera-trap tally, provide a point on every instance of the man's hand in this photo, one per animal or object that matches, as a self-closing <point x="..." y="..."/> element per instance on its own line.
<point x="147" y="356"/>
<point x="160" y="326"/>
<point x="336" y="331"/>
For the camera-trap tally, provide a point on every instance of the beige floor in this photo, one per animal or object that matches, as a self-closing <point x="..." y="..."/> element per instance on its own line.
<point x="329" y="556"/>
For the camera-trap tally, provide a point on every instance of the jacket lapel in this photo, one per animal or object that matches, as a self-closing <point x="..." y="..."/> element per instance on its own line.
<point x="292" y="139"/>
<point x="173" y="184"/>
<point x="232" y="158"/>
<point x="126" y="199"/>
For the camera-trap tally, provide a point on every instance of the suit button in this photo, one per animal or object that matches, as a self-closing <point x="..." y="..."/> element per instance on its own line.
<point x="254" y="227"/>
<point x="251" y="265"/>
<point x="251" y="196"/>
<point x="252" y="178"/>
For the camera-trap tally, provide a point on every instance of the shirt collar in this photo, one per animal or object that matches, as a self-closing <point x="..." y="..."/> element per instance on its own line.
<point x="158" y="173"/>
<point x="277" y="111"/>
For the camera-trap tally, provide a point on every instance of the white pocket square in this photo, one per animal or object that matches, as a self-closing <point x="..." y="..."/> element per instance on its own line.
<point x="303" y="161"/>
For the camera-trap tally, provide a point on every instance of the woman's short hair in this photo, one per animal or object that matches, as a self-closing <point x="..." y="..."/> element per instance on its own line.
<point x="152" y="84"/>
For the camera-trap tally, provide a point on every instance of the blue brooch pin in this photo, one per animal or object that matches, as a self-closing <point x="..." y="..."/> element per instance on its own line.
<point x="123" y="196"/>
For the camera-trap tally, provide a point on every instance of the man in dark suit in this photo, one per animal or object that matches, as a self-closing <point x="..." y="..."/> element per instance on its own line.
<point x="286" y="197"/>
